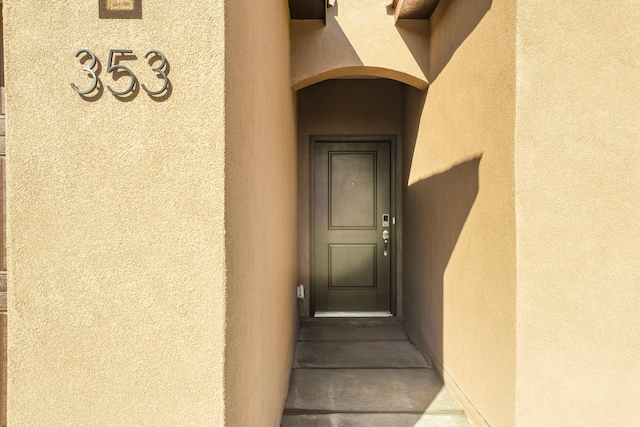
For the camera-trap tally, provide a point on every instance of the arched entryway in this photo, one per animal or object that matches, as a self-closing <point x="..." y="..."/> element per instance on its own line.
<point x="351" y="131"/>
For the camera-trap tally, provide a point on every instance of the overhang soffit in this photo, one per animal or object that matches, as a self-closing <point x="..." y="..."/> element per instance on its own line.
<point x="404" y="9"/>
<point x="415" y="9"/>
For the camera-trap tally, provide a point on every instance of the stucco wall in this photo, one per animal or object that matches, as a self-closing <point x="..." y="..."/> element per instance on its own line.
<point x="261" y="208"/>
<point x="578" y="204"/>
<point x="359" y="38"/>
<point x="341" y="108"/>
<point x="459" y="215"/>
<point x="116" y="220"/>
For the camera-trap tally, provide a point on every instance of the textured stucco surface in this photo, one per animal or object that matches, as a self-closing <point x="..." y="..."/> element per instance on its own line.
<point x="261" y="185"/>
<point x="578" y="204"/>
<point x="459" y="215"/>
<point x="153" y="245"/>
<point x="360" y="38"/>
<point x="116" y="220"/>
<point x="340" y="108"/>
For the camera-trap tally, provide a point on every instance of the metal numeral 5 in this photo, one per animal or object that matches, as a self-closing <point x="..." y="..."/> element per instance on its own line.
<point x="111" y="68"/>
<point x="89" y="70"/>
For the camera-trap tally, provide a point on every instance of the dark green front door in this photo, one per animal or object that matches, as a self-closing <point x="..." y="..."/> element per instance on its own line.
<point x="351" y="209"/>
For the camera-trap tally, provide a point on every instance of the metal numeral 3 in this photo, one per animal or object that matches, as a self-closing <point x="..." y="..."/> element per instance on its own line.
<point x="160" y="70"/>
<point x="89" y="70"/>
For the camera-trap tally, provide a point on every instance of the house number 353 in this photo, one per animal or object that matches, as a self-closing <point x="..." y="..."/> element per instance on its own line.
<point x="113" y="66"/>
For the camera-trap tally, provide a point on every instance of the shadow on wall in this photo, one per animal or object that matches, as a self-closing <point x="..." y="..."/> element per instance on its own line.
<point x="336" y="41"/>
<point x="451" y="23"/>
<point x="320" y="48"/>
<point x="359" y="39"/>
<point x="436" y="209"/>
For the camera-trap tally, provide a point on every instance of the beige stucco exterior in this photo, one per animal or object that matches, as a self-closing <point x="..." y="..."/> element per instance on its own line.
<point x="465" y="304"/>
<point x="154" y="245"/>
<point x="116" y="222"/>
<point x="147" y="288"/>
<point x="577" y="175"/>
<point x="261" y="213"/>
<point x="459" y="214"/>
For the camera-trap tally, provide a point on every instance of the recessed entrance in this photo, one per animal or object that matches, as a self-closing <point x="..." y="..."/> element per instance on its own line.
<point x="350" y="131"/>
<point x="351" y="225"/>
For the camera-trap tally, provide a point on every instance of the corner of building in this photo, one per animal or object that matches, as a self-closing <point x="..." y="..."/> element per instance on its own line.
<point x="260" y="212"/>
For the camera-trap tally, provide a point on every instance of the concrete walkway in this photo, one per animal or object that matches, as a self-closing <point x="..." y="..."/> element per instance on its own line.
<point x="364" y="373"/>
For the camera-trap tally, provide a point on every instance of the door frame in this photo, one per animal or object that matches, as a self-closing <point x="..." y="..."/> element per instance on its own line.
<point x="392" y="140"/>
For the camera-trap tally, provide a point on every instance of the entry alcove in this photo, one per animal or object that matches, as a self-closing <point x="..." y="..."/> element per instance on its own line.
<point x="353" y="110"/>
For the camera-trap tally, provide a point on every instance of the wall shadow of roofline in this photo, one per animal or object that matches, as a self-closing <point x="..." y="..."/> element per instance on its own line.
<point x="450" y="25"/>
<point x="443" y="202"/>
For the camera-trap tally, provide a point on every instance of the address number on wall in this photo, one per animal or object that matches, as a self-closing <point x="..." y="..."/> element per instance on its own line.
<point x="118" y="70"/>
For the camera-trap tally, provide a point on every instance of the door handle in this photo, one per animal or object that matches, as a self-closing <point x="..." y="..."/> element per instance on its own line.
<point x="385" y="237"/>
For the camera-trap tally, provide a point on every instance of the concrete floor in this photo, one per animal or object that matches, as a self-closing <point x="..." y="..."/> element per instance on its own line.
<point x="365" y="373"/>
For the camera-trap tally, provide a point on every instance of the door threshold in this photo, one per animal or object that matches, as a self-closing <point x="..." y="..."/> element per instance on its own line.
<point x="353" y="314"/>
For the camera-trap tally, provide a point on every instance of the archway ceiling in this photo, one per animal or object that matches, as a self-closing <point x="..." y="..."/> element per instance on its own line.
<point x="405" y="9"/>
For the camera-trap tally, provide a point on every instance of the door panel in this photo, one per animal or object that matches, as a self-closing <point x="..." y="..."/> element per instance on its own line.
<point x="352" y="266"/>
<point x="351" y="190"/>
